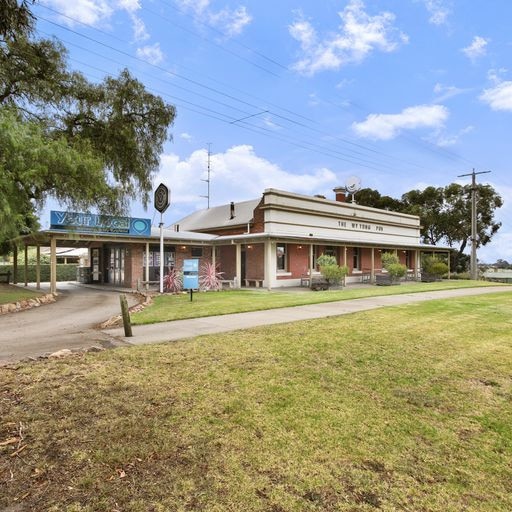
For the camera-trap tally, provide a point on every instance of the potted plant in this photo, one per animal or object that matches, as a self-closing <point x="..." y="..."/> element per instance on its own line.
<point x="332" y="273"/>
<point x="433" y="269"/>
<point x="394" y="270"/>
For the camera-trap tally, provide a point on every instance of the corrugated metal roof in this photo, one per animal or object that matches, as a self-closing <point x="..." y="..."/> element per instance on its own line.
<point x="219" y="216"/>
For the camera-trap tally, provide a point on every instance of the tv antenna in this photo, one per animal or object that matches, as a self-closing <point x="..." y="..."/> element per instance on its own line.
<point x="353" y="185"/>
<point x="207" y="196"/>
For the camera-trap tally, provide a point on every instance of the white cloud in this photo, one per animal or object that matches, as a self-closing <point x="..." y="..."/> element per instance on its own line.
<point x="229" y="173"/>
<point x="445" y="92"/>
<point x="499" y="97"/>
<point x="444" y="140"/>
<point x="90" y="12"/>
<point x="477" y="48"/>
<point x="230" y="21"/>
<point x="97" y="13"/>
<point x="438" y="10"/>
<point x="388" y="126"/>
<point x="359" y="35"/>
<point x="139" y="29"/>
<point x="152" y="54"/>
<point x="186" y="136"/>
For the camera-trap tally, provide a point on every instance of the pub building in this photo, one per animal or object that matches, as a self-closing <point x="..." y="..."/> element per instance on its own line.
<point x="269" y="242"/>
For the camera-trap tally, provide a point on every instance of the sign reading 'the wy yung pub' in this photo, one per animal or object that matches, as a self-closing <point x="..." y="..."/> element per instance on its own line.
<point x="101" y="224"/>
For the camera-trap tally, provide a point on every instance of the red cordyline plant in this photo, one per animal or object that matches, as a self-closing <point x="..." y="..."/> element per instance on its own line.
<point x="209" y="277"/>
<point x="173" y="282"/>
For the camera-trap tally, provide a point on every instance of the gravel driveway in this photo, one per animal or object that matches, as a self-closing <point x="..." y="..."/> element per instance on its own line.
<point x="68" y="323"/>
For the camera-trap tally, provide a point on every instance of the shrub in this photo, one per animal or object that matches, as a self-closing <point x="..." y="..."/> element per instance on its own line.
<point x="434" y="266"/>
<point x="210" y="278"/>
<point x="173" y="281"/>
<point x="330" y="270"/>
<point x="391" y="263"/>
<point x="64" y="272"/>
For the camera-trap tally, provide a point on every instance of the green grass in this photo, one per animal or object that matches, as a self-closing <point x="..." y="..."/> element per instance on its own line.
<point x="399" y="409"/>
<point x="176" y="307"/>
<point x="9" y="293"/>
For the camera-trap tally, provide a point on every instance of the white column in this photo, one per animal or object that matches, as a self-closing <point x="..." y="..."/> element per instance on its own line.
<point x="214" y="257"/>
<point x="417" y="264"/>
<point x="239" y="265"/>
<point x="372" y="270"/>
<point x="146" y="269"/>
<point x="311" y="265"/>
<point x="53" y="265"/>
<point x="268" y="273"/>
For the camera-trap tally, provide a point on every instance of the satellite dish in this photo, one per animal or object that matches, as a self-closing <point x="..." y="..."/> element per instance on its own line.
<point x="353" y="184"/>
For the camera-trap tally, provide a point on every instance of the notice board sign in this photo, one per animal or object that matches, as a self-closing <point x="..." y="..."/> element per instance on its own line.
<point x="191" y="274"/>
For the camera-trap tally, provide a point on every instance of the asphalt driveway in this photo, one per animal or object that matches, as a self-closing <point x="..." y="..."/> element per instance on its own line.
<point x="68" y="323"/>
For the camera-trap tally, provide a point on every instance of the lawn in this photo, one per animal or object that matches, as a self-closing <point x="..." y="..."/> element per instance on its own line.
<point x="175" y="307"/>
<point x="406" y="408"/>
<point x="10" y="293"/>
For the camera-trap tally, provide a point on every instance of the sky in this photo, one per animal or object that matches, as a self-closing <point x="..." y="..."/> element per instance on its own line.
<point x="302" y="95"/>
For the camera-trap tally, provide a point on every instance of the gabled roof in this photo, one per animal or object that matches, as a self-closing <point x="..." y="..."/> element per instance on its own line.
<point x="219" y="217"/>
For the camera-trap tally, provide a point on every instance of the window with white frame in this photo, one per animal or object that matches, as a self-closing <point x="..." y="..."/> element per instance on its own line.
<point x="281" y="257"/>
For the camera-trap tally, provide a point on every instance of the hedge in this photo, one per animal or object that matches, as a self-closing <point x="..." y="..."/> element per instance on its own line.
<point x="64" y="272"/>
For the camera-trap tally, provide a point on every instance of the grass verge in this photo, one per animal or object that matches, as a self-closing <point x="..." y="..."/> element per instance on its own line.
<point x="407" y="408"/>
<point x="177" y="307"/>
<point x="10" y="293"/>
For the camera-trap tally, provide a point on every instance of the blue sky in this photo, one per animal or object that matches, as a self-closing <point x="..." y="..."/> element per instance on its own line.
<point x="302" y="94"/>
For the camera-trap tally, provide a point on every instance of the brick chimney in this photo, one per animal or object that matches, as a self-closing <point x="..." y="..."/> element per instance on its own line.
<point x="341" y="194"/>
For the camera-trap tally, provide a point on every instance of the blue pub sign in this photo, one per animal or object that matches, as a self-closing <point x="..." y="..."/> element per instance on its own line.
<point x="100" y="224"/>
<point x="191" y="274"/>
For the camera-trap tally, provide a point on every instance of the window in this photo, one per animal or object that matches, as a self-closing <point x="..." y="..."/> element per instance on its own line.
<point x="356" y="258"/>
<point x="331" y="251"/>
<point x="408" y="259"/>
<point x="196" y="252"/>
<point x="281" y="257"/>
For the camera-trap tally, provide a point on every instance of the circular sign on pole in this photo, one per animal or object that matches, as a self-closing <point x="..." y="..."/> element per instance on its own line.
<point x="162" y="198"/>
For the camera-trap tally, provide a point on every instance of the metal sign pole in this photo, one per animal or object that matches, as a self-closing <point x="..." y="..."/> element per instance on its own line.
<point x="162" y="202"/>
<point x="161" y="254"/>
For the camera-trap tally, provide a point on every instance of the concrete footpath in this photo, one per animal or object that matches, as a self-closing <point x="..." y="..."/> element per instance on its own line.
<point x="181" y="329"/>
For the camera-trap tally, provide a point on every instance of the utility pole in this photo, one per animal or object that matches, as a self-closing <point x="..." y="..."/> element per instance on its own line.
<point x="473" y="261"/>
<point x="207" y="196"/>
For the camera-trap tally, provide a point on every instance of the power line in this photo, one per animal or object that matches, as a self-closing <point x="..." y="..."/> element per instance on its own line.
<point x="349" y="158"/>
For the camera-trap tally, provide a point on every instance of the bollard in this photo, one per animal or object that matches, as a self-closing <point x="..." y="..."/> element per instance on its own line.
<point x="126" y="316"/>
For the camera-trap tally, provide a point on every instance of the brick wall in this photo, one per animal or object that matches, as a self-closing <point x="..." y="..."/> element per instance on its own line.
<point x="254" y="261"/>
<point x="298" y="260"/>
<point x="227" y="261"/>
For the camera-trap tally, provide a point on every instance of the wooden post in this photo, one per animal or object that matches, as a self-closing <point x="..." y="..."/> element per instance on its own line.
<point x="25" y="267"/>
<point x="38" y="267"/>
<point x="15" y="265"/>
<point x="53" y="265"/>
<point x="126" y="316"/>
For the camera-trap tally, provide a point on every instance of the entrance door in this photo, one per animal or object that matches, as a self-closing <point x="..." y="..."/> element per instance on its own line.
<point x="116" y="270"/>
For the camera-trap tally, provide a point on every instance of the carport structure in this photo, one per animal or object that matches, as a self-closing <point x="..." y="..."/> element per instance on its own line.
<point x="115" y="259"/>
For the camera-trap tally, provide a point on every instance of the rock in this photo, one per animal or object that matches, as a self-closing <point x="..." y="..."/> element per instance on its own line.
<point x="65" y="352"/>
<point x="95" y="348"/>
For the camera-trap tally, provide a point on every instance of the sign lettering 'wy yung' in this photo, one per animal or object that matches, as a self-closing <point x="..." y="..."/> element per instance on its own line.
<point x="101" y="224"/>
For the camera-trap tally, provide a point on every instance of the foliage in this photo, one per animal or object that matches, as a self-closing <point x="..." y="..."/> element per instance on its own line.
<point x="391" y="263"/>
<point x="330" y="270"/>
<point x="445" y="214"/>
<point x="87" y="145"/>
<point x="433" y="265"/>
<point x="209" y="277"/>
<point x="64" y="272"/>
<point x="173" y="281"/>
